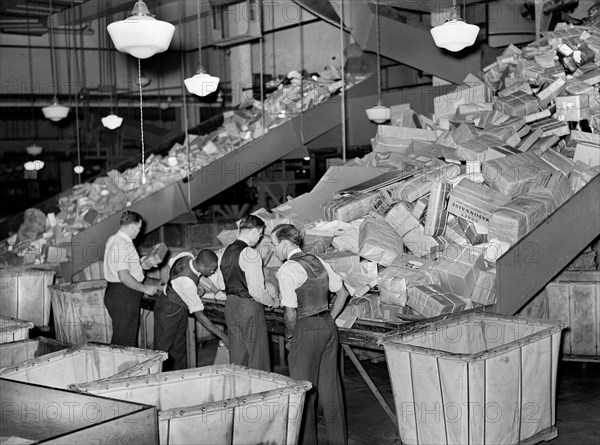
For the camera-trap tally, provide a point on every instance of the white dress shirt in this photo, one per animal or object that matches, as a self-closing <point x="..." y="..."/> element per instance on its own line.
<point x="120" y="254"/>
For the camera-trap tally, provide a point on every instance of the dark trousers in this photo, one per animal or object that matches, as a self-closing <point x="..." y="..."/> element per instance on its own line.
<point x="313" y="356"/>
<point x="123" y="305"/>
<point x="170" y="325"/>
<point x="247" y="333"/>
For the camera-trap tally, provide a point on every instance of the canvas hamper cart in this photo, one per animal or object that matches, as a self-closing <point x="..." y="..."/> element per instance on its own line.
<point x="13" y="329"/>
<point x="24" y="293"/>
<point x="38" y="414"/>
<point x="79" y="312"/>
<point x="22" y="350"/>
<point x="86" y="363"/>
<point x="216" y="404"/>
<point x="475" y="379"/>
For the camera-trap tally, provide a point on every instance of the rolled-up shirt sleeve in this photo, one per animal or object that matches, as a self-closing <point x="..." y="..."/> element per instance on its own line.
<point x="251" y="263"/>
<point x="335" y="281"/>
<point x="188" y="292"/>
<point x="290" y="276"/>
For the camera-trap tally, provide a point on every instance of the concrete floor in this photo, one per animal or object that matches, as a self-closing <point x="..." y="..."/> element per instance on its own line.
<point x="578" y="402"/>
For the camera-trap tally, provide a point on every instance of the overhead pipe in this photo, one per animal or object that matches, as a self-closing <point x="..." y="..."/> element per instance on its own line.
<point x="107" y="104"/>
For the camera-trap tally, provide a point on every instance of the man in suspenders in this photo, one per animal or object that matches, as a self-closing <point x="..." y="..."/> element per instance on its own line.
<point x="241" y="268"/>
<point x="305" y="282"/>
<point x="182" y="294"/>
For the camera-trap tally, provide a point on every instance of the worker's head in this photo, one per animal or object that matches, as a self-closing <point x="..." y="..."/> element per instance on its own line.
<point x="251" y="228"/>
<point x="285" y="238"/>
<point x="131" y="223"/>
<point x="206" y="262"/>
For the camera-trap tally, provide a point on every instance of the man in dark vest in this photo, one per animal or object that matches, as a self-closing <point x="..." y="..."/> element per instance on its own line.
<point x="241" y="267"/>
<point x="305" y="283"/>
<point x="182" y="294"/>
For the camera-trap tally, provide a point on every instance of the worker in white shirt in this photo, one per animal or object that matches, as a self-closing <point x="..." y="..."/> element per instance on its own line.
<point x="124" y="273"/>
<point x="244" y="283"/>
<point x="305" y="283"/>
<point x="180" y="295"/>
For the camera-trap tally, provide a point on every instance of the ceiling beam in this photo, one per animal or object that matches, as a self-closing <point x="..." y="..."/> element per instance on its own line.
<point x="93" y="9"/>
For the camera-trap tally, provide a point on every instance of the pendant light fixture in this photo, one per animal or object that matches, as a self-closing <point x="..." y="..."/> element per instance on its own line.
<point x="201" y="84"/>
<point x="55" y="111"/>
<point x="455" y="34"/>
<point x="379" y="113"/>
<point x="140" y="34"/>
<point x="34" y="150"/>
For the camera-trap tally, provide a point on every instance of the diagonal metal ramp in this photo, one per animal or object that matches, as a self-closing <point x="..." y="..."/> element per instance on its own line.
<point x="405" y="41"/>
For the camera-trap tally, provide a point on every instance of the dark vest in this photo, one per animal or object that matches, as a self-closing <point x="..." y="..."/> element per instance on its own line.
<point x="233" y="276"/>
<point x="313" y="295"/>
<point x="181" y="268"/>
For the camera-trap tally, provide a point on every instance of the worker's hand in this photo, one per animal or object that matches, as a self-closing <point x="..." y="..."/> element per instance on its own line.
<point x="275" y="303"/>
<point x="288" y="344"/>
<point x="151" y="290"/>
<point x="224" y="340"/>
<point x="220" y="296"/>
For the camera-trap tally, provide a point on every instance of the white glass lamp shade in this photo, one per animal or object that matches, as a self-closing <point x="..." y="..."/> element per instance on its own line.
<point x="34" y="165"/>
<point x="112" y="121"/>
<point x="78" y="169"/>
<point x="201" y="84"/>
<point x="55" y="111"/>
<point x="379" y="114"/>
<point x="141" y="35"/>
<point x="454" y="35"/>
<point x="34" y="150"/>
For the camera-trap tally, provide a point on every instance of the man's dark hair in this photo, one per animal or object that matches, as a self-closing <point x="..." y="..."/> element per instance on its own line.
<point x="288" y="232"/>
<point x="129" y="217"/>
<point x="207" y="257"/>
<point x="251" y="222"/>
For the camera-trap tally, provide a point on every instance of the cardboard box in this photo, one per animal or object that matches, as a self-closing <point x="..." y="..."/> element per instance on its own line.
<point x="513" y="221"/>
<point x="554" y="186"/>
<point x="551" y="126"/>
<point x="420" y="184"/>
<point x="458" y="268"/>
<point x="572" y="108"/>
<point x="544" y="143"/>
<point x="406" y="271"/>
<point x="513" y="175"/>
<point x="476" y="233"/>
<point x="475" y="202"/>
<point x="447" y="104"/>
<point x="431" y="301"/>
<point x="530" y="139"/>
<point x="551" y="92"/>
<point x="588" y="154"/>
<point x="558" y="161"/>
<point x="476" y="149"/>
<point x="158" y="253"/>
<point x="517" y="104"/>
<point x="400" y="218"/>
<point x="419" y="244"/>
<point x="378" y="241"/>
<point x="437" y="215"/>
<point x="341" y="262"/>
<point x="485" y="288"/>
<point x="348" y="208"/>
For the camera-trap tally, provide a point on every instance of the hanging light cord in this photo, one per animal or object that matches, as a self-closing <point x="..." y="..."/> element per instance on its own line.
<point x="301" y="80"/>
<point x="52" y="55"/>
<point x="199" y="35"/>
<point x="378" y="56"/>
<point x="343" y="102"/>
<point x="78" y="74"/>
<point x="142" y="122"/>
<point x="185" y="114"/>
